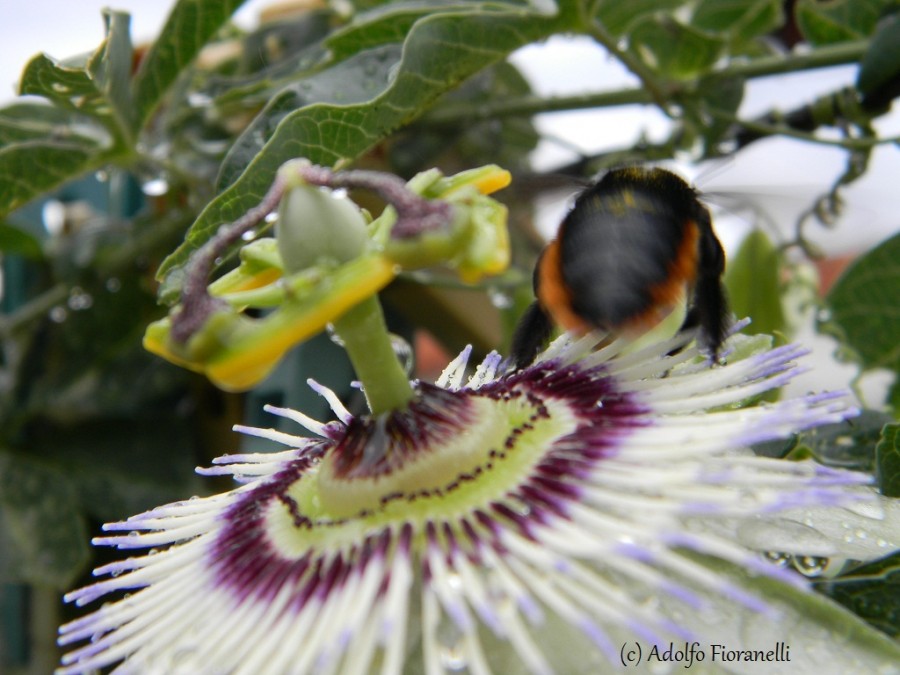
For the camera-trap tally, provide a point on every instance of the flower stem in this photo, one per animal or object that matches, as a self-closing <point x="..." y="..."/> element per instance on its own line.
<point x="368" y="344"/>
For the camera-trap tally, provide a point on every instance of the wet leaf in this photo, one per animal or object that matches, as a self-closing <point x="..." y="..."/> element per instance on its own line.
<point x="33" y="121"/>
<point x="188" y="28"/>
<point x="863" y="307"/>
<point x="618" y="18"/>
<point x="32" y="167"/>
<point x="17" y="241"/>
<point x="741" y="19"/>
<point x="121" y="466"/>
<point x="43" y="536"/>
<point x="887" y="461"/>
<point x="675" y="49"/>
<point x="848" y="445"/>
<point x="871" y="591"/>
<point x="880" y="65"/>
<point x="359" y="78"/>
<point x="438" y="54"/>
<point x="753" y="283"/>
<point x="838" y="20"/>
<point x="98" y="86"/>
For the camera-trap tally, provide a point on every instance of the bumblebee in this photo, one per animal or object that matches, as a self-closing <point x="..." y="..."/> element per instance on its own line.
<point x="632" y="246"/>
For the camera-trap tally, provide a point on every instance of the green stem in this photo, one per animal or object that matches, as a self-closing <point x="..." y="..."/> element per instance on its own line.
<point x="526" y="106"/>
<point x="655" y="88"/>
<point x="368" y="344"/>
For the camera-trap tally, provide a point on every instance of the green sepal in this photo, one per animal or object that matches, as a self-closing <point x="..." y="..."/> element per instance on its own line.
<point x="236" y="352"/>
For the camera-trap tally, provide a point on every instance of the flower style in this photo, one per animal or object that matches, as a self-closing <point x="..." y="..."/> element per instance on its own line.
<point x="510" y="522"/>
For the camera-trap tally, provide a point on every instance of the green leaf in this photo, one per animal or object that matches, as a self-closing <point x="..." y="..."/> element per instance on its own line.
<point x="28" y="121"/>
<point x="618" y="17"/>
<point x="43" y="537"/>
<point x="824" y="23"/>
<point x="752" y="280"/>
<point x="119" y="467"/>
<point x="110" y="67"/>
<point x="741" y="19"/>
<point x="189" y="27"/>
<point x="505" y="141"/>
<point x="439" y="53"/>
<point x="17" y="241"/>
<point x="30" y="168"/>
<point x="719" y="98"/>
<point x="389" y="24"/>
<point x="871" y="591"/>
<point x="98" y="87"/>
<point x="849" y="445"/>
<point x="863" y="307"/>
<point x="887" y="461"/>
<point x="880" y="64"/>
<point x="674" y="49"/>
<point x="359" y="78"/>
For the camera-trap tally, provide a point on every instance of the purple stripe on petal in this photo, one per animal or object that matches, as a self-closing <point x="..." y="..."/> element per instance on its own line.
<point x="643" y="631"/>
<point x="681" y="593"/>
<point x="531" y="609"/>
<point x="635" y="552"/>
<point x="599" y="638"/>
<point x="678" y="630"/>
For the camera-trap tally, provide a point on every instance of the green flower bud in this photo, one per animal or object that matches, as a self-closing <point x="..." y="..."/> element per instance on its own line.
<point x="315" y="225"/>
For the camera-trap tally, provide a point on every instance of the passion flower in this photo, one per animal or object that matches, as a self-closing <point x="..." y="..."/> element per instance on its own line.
<point x="511" y="521"/>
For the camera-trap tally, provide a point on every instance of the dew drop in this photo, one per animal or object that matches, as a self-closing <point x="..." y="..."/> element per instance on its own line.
<point x="404" y="353"/>
<point x="333" y="336"/>
<point x="779" y="558"/>
<point x="102" y="176"/>
<point x="58" y="314"/>
<point x="450" y="645"/>
<point x="197" y="100"/>
<point x="727" y="147"/>
<point x="499" y="298"/>
<point x="53" y="215"/>
<point x="810" y="565"/>
<point x="249" y="235"/>
<point x="271" y="217"/>
<point x="155" y="187"/>
<point x="79" y="300"/>
<point x="113" y="285"/>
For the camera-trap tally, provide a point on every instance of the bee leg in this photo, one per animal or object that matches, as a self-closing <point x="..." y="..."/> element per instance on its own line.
<point x="532" y="333"/>
<point x="709" y="294"/>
